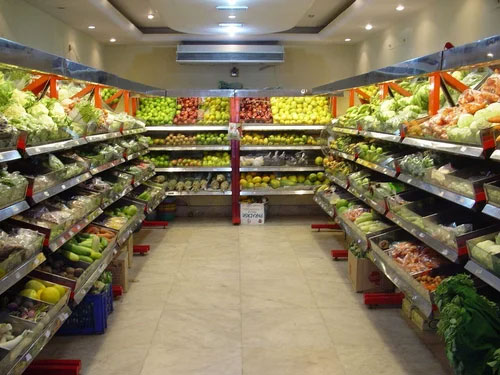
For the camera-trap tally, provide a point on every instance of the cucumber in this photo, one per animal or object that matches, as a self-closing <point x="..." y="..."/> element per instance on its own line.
<point x="71" y="256"/>
<point x="95" y="255"/>
<point x="77" y="249"/>
<point x="104" y="243"/>
<point x="85" y="259"/>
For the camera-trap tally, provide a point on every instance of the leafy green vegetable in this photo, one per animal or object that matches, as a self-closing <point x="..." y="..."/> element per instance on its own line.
<point x="470" y="325"/>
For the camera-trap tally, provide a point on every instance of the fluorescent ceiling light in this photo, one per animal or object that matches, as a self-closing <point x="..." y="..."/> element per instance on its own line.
<point x="231" y="7"/>
<point x="151" y="16"/>
<point x="368" y="26"/>
<point x="91" y="27"/>
<point x="400" y="7"/>
<point x="347" y="39"/>
<point x="230" y="24"/>
<point x="489" y="54"/>
<point x="112" y="40"/>
<point x="231" y="17"/>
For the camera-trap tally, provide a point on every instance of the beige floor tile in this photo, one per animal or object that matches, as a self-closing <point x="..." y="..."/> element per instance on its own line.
<point x="290" y="361"/>
<point x="294" y="328"/>
<point x="201" y="269"/>
<point x="185" y="361"/>
<point x="198" y="329"/>
<point x="318" y="268"/>
<point x="148" y="294"/>
<point x="127" y="360"/>
<point x="206" y="294"/>
<point x="271" y="268"/>
<point x="259" y="294"/>
<point x="335" y="293"/>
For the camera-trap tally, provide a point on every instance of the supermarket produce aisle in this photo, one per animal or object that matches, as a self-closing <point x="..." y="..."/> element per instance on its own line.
<point x="212" y="298"/>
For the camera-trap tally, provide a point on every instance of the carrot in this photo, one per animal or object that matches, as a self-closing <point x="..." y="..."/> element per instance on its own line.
<point x="495" y="119"/>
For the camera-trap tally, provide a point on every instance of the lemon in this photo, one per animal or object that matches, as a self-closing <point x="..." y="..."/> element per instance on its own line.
<point x="60" y="289"/>
<point x="30" y="293"/>
<point x="50" y="295"/>
<point x="34" y="284"/>
<point x="39" y="293"/>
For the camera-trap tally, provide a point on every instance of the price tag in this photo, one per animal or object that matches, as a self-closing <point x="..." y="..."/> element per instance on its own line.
<point x="47" y="333"/>
<point x="46" y="193"/>
<point x="28" y="357"/>
<point x="36" y="262"/>
<point x="463" y="149"/>
<point x="421" y="235"/>
<point x="18" y="275"/>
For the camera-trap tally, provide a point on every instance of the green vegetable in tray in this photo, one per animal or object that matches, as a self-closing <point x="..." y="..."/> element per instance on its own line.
<point x="470" y="325"/>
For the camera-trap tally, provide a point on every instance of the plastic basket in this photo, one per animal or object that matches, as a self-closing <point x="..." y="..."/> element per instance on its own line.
<point x="109" y="300"/>
<point x="90" y="316"/>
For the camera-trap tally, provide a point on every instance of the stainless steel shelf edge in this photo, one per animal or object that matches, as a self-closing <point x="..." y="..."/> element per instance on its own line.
<point x="259" y="93"/>
<point x="200" y="93"/>
<point x="42" y="195"/>
<point x="436" y="245"/>
<point x="74" y="230"/>
<point x="452" y="148"/>
<point x="271" y="127"/>
<point x="342" y="184"/>
<point x="440" y="192"/>
<point x="278" y="147"/>
<point x="22" y="270"/>
<point x="127" y="190"/>
<point x="107" y="166"/>
<point x="89" y="283"/>
<point x="394" y="274"/>
<point x="492" y="210"/>
<point x="102" y="137"/>
<point x="134" y="131"/>
<point x="191" y="148"/>
<point x="277" y="168"/>
<point x="335" y="129"/>
<point x="13" y="209"/>
<point x="376" y="167"/>
<point x="327" y="208"/>
<point x="382" y="136"/>
<point x="141" y="181"/>
<point x="186" y="128"/>
<point x="56" y="146"/>
<point x="260" y="192"/>
<point x="137" y="154"/>
<point x="194" y="169"/>
<point x="366" y="200"/>
<point x="194" y="194"/>
<point x="342" y="155"/>
<point x="9" y="155"/>
<point x="483" y="274"/>
<point x="495" y="155"/>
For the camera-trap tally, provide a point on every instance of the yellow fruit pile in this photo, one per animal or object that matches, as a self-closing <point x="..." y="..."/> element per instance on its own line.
<point x="43" y="291"/>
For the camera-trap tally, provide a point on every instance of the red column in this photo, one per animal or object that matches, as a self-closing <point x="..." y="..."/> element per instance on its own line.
<point x="435" y="81"/>
<point x="235" y="163"/>
<point x="334" y="106"/>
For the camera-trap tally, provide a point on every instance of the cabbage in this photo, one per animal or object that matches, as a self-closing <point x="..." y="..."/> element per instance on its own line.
<point x="490" y="111"/>
<point x="405" y="101"/>
<point x="38" y="109"/>
<point x="388" y="105"/>
<point x="24" y="98"/>
<point x="5" y="94"/>
<point x="14" y="111"/>
<point x="465" y="120"/>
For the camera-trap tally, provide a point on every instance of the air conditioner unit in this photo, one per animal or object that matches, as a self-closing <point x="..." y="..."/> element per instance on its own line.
<point x="229" y="54"/>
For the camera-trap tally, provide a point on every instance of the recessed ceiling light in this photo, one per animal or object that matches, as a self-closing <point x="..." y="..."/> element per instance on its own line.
<point x="231" y="7"/>
<point x="91" y="27"/>
<point x="489" y="54"/>
<point x="231" y="17"/>
<point x="151" y="16"/>
<point x="112" y="40"/>
<point x="230" y="24"/>
<point x="368" y="26"/>
<point x="347" y="39"/>
<point x="310" y="15"/>
<point x="400" y="7"/>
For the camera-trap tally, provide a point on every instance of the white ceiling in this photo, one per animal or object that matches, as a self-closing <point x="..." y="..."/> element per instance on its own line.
<point x="183" y="20"/>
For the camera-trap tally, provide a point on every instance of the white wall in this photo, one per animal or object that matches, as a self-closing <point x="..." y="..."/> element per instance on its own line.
<point x="455" y="21"/>
<point x="25" y="24"/>
<point x="304" y="67"/>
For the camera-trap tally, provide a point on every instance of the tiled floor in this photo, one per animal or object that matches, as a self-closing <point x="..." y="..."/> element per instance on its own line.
<point x="215" y="299"/>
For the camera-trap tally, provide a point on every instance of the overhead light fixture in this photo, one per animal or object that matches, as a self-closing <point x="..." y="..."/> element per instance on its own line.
<point x="230" y="24"/>
<point x="151" y="16"/>
<point x="347" y="39"/>
<point x="112" y="40"/>
<point x="368" y="26"/>
<point x="400" y="7"/>
<point x="489" y="54"/>
<point x="91" y="27"/>
<point x="231" y="17"/>
<point x="231" y="7"/>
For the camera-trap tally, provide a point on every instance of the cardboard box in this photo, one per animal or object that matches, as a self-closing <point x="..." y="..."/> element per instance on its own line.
<point x="252" y="213"/>
<point x="366" y="277"/>
<point x="119" y="269"/>
<point x="130" y="250"/>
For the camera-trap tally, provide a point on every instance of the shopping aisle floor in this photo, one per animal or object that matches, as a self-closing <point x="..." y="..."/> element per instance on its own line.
<point x="215" y="299"/>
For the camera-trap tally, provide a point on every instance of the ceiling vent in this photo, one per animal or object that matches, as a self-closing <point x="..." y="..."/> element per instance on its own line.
<point x="230" y="54"/>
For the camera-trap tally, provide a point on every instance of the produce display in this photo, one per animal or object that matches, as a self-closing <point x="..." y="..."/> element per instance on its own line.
<point x="12" y="187"/>
<point x="16" y="246"/>
<point x="147" y="194"/>
<point x="256" y="110"/>
<point x="8" y="339"/>
<point x="339" y="167"/>
<point x="214" y="111"/>
<point x="470" y="326"/>
<point x="187" y="111"/>
<point x="198" y="182"/>
<point x="162" y="160"/>
<point x="188" y="140"/>
<point x="279" y="139"/>
<point x="278" y="159"/>
<point x="117" y="217"/>
<point x="417" y="164"/>
<point x="85" y="247"/>
<point x="157" y="111"/>
<point x="493" y="192"/>
<point x="138" y="169"/>
<point x="42" y="290"/>
<point x="487" y="253"/>
<point x="476" y="110"/>
<point x="345" y="143"/>
<point x="25" y="308"/>
<point x="97" y="154"/>
<point x="255" y="180"/>
<point x="134" y="144"/>
<point x="309" y="110"/>
<point x="430" y="282"/>
<point x="109" y="186"/>
<point x="413" y="257"/>
<point x="107" y="93"/>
